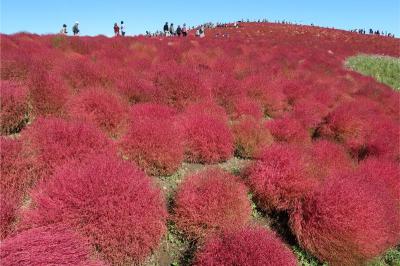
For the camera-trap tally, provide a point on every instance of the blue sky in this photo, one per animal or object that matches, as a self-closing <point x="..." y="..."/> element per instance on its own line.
<point x="98" y="16"/>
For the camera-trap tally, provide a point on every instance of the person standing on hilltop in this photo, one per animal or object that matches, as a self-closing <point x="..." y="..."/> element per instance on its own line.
<point x="123" y="28"/>
<point x="75" y="28"/>
<point x="63" y="30"/>
<point x="166" y="29"/>
<point x="171" y="29"/>
<point x="184" y="30"/>
<point x="116" y="29"/>
<point x="179" y="31"/>
<point x="202" y="33"/>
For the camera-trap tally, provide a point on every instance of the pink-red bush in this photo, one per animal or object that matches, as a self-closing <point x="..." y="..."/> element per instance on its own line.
<point x="178" y="86"/>
<point x="244" y="107"/>
<point x="383" y="174"/>
<point x="246" y="246"/>
<point x="14" y="107"/>
<point x="207" y="139"/>
<point x="47" y="92"/>
<point x="135" y="88"/>
<point x="8" y="208"/>
<point x="280" y="177"/>
<point x="346" y="222"/>
<point x="364" y="129"/>
<point x="52" y="245"/>
<point x="153" y="143"/>
<point x="309" y="113"/>
<point x="151" y="111"/>
<point x="210" y="202"/>
<point x="209" y="108"/>
<point x="251" y="137"/>
<point x="54" y="141"/>
<point x="15" y="168"/>
<point x="15" y="178"/>
<point x="109" y="201"/>
<point x="327" y="158"/>
<point x="289" y="130"/>
<point x="106" y="110"/>
<point x="383" y="139"/>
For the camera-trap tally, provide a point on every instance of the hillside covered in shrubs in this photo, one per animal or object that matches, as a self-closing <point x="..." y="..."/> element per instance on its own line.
<point x="253" y="146"/>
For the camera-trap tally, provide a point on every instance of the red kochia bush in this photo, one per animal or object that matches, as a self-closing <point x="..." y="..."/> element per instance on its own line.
<point x="14" y="107"/>
<point x="246" y="246"/>
<point x="47" y="92"/>
<point x="310" y="113"/>
<point x="178" y="86"/>
<point x="151" y="111"/>
<point x="53" y="245"/>
<point x="383" y="174"/>
<point x="327" y="158"/>
<point x="134" y="87"/>
<point x="153" y="141"/>
<point x="346" y="222"/>
<point x="280" y="178"/>
<point x="15" y="179"/>
<point x="364" y="129"/>
<point x="8" y="207"/>
<point x="109" y="201"/>
<point x="15" y="168"/>
<point x="289" y="130"/>
<point x="103" y="108"/>
<point x="55" y="141"/>
<point x="209" y="202"/>
<point x="207" y="139"/>
<point x="244" y="107"/>
<point x="251" y="137"/>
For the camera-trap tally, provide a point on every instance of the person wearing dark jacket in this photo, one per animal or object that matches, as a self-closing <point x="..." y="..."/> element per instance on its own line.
<point x="179" y="31"/>
<point x="166" y="28"/>
<point x="75" y="28"/>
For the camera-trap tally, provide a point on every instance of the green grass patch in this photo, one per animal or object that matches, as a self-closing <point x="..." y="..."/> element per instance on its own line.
<point x="383" y="68"/>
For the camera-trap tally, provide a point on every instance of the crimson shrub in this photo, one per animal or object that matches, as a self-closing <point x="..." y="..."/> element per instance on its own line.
<point x="209" y="202"/>
<point x="109" y="201"/>
<point x="14" y="107"/>
<point x="245" y="246"/>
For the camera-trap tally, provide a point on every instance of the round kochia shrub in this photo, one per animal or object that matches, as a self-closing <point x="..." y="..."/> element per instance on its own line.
<point x="53" y="245"/>
<point x="209" y="202"/>
<point x="384" y="174"/>
<point x="13" y="107"/>
<point x="327" y="158"/>
<point x="108" y="201"/>
<point x="101" y="107"/>
<point x="151" y="111"/>
<point x="246" y="246"/>
<point x="178" y="86"/>
<point x="346" y="222"/>
<point x="280" y="177"/>
<point x="15" y="179"/>
<point x="54" y="141"/>
<point x="15" y="168"/>
<point x="153" y="142"/>
<point x="207" y="139"/>
<point x="8" y="207"/>
<point x="251" y="137"/>
<point x="364" y="129"/>
<point x="289" y="130"/>
<point x="48" y="93"/>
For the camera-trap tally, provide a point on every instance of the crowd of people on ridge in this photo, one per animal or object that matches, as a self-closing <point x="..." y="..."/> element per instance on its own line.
<point x="169" y="30"/>
<point x="373" y="32"/>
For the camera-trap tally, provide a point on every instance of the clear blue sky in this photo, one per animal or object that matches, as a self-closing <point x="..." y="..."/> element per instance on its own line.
<point x="98" y="16"/>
